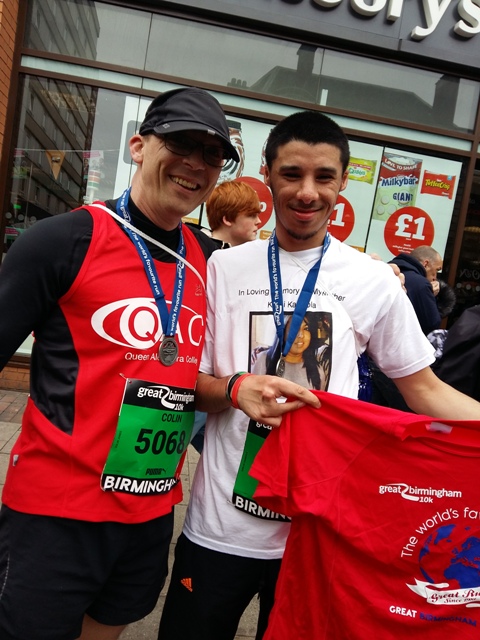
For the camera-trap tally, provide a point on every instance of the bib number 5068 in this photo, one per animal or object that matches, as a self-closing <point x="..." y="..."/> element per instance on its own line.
<point x="160" y="441"/>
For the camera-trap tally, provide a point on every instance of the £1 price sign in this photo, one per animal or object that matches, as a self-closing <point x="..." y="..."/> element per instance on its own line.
<point x="408" y="228"/>
<point x="342" y="220"/>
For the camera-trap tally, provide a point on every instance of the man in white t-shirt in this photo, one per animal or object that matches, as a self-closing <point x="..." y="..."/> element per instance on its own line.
<point x="231" y="548"/>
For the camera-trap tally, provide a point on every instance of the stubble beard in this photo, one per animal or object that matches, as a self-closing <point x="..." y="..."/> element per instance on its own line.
<point x="301" y="236"/>
<point x="293" y="234"/>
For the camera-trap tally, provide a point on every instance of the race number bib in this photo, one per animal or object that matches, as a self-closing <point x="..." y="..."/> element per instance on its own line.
<point x="153" y="432"/>
<point x="245" y="485"/>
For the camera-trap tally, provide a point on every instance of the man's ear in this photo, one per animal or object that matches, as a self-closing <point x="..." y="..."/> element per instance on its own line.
<point x="266" y="176"/>
<point x="226" y="222"/>
<point x="136" y="144"/>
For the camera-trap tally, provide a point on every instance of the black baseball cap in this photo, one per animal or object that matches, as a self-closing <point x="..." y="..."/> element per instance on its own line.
<point x="188" y="109"/>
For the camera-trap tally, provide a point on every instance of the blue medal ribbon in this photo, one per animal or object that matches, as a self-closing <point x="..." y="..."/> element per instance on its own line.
<point x="169" y="320"/>
<point x="276" y="293"/>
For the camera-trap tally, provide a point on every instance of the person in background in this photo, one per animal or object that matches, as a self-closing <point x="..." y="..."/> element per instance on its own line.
<point x="382" y="389"/>
<point x="420" y="268"/>
<point x="233" y="213"/>
<point x="459" y="364"/>
<point x="114" y="293"/>
<point x="230" y="548"/>
<point x="446" y="301"/>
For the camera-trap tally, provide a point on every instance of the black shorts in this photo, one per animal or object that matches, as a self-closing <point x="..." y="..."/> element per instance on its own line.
<point x="54" y="570"/>
<point x="210" y="590"/>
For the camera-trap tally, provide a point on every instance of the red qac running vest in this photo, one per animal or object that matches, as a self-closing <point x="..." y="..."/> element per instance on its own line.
<point x="107" y="309"/>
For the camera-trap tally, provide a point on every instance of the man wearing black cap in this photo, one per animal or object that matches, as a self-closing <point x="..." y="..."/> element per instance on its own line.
<point x="115" y="295"/>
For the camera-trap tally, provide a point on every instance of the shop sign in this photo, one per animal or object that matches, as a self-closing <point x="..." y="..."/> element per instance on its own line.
<point x="469" y="11"/>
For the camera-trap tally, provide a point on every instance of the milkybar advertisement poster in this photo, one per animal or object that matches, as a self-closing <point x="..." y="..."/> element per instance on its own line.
<point x="413" y="205"/>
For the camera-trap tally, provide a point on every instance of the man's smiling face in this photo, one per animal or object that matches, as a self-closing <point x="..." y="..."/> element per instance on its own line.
<point x="168" y="186"/>
<point x="305" y="180"/>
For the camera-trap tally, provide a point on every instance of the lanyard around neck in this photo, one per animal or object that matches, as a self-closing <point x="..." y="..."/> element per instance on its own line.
<point x="276" y="293"/>
<point x="169" y="320"/>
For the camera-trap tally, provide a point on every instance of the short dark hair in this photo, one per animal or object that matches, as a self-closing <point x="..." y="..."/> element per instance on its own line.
<point x="311" y="127"/>
<point x="446" y="299"/>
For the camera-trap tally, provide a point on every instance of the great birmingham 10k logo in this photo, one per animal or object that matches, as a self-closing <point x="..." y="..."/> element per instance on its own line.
<point x="417" y="494"/>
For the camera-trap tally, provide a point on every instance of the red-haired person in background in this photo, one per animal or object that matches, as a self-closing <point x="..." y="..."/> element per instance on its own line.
<point x="233" y="212"/>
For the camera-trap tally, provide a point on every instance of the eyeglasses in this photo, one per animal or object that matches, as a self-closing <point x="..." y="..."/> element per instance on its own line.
<point x="182" y="145"/>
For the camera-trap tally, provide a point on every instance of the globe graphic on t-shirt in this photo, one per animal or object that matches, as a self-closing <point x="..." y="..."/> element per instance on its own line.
<point x="451" y="554"/>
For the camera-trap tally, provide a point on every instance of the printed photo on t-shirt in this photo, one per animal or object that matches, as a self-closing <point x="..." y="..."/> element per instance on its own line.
<point x="308" y="361"/>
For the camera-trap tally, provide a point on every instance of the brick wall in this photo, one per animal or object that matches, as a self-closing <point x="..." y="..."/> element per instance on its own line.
<point x="15" y="378"/>
<point x="8" y="25"/>
<point x="12" y="377"/>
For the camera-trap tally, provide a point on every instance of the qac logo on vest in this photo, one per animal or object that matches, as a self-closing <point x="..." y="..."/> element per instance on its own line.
<point x="135" y="323"/>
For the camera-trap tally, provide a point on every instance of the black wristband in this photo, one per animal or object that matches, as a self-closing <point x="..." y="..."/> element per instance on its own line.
<point x="231" y="381"/>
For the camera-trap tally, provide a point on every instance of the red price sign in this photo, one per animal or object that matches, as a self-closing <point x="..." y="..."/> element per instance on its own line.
<point x="264" y="195"/>
<point x="408" y="228"/>
<point x="342" y="220"/>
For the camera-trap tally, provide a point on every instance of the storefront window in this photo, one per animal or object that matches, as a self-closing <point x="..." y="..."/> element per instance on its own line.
<point x="67" y="152"/>
<point x="311" y="74"/>
<point x="192" y="51"/>
<point x="232" y="58"/>
<point x="89" y="30"/>
<point x="467" y="281"/>
<point x="399" y="92"/>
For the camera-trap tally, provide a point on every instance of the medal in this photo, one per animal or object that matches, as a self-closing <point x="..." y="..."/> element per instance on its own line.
<point x="168" y="351"/>
<point x="280" y="368"/>
<point x="276" y="294"/>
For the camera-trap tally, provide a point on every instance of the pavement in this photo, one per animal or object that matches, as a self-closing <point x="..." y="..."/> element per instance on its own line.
<point x="12" y="405"/>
